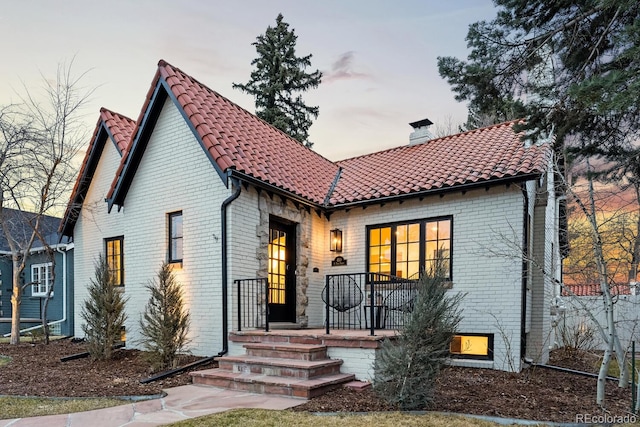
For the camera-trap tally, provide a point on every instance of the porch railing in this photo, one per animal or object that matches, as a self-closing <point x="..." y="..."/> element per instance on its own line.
<point x="253" y="307"/>
<point x="368" y="301"/>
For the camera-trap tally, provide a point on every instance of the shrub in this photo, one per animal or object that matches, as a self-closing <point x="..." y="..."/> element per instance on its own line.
<point x="103" y="313"/>
<point x="165" y="322"/>
<point x="406" y="368"/>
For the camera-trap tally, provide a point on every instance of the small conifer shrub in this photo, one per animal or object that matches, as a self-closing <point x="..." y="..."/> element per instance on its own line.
<point x="406" y="368"/>
<point x="164" y="325"/>
<point x="103" y="313"/>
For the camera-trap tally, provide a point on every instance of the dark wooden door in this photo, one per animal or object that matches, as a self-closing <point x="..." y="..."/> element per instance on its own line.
<point x="282" y="271"/>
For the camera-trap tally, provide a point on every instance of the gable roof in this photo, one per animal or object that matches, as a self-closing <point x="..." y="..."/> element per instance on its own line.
<point x="233" y="138"/>
<point x="21" y="229"/>
<point x="240" y="144"/>
<point x="112" y="126"/>
<point x="476" y="157"/>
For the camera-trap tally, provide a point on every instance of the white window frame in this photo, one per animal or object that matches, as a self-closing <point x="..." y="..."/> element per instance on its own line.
<point x="39" y="289"/>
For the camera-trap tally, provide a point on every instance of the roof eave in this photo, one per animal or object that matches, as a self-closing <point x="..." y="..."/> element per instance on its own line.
<point x="436" y="191"/>
<point x="257" y="182"/>
<point x="137" y="147"/>
<point x="73" y="208"/>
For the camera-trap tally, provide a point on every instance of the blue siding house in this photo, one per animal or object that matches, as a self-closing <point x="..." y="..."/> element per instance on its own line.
<point x="41" y="271"/>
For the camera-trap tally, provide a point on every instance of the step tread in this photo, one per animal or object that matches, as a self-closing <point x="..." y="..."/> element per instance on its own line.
<point x="280" y="362"/>
<point x="302" y="348"/>
<point x="275" y="381"/>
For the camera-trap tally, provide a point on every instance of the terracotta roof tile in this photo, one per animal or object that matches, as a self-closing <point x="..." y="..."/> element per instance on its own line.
<point x="235" y="138"/>
<point x="476" y="156"/>
<point x="593" y="289"/>
<point x="119" y="128"/>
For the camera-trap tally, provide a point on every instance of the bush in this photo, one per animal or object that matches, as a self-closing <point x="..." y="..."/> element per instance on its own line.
<point x="405" y="369"/>
<point x="103" y="313"/>
<point x="165" y="322"/>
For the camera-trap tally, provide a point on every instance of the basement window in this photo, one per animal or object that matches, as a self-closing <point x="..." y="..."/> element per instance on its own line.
<point x="472" y="346"/>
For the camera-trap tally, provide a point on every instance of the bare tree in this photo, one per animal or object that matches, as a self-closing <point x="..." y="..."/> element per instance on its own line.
<point x="39" y="140"/>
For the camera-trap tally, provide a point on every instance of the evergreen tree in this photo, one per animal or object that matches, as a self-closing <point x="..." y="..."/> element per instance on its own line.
<point x="406" y="368"/>
<point x="165" y="322"/>
<point x="103" y="313"/>
<point x="278" y="75"/>
<point x="568" y="67"/>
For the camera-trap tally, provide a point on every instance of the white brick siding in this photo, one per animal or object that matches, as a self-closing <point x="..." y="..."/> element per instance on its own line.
<point x="92" y="227"/>
<point x="486" y="223"/>
<point x="176" y="175"/>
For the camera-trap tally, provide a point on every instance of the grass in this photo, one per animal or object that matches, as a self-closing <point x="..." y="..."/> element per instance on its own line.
<point x="4" y="360"/>
<point x="20" y="407"/>
<point x="266" y="418"/>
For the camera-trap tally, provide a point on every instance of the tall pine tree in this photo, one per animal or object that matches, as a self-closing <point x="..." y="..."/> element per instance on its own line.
<point x="569" y="67"/>
<point x="277" y="79"/>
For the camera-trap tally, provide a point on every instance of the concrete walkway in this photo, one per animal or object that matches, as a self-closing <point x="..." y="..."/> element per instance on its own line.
<point x="181" y="403"/>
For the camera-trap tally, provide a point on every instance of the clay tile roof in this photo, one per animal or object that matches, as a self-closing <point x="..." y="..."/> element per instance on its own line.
<point x="120" y="129"/>
<point x="478" y="156"/>
<point x="593" y="289"/>
<point x="235" y="138"/>
<point x="119" y="126"/>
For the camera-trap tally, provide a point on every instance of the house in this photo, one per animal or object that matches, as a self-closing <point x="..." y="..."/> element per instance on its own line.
<point x="41" y="272"/>
<point x="235" y="205"/>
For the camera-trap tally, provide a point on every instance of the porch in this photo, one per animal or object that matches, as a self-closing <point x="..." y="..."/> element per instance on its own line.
<point x="374" y="303"/>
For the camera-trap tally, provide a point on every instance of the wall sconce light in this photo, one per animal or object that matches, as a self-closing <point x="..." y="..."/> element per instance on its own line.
<point x="336" y="240"/>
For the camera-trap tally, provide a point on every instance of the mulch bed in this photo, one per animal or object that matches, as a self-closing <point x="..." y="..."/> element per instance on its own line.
<point x="535" y="393"/>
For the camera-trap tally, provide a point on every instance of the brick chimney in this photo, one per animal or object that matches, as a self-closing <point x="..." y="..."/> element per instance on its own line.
<point x="420" y="132"/>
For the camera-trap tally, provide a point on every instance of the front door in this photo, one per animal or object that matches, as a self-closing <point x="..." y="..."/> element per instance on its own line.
<point x="282" y="271"/>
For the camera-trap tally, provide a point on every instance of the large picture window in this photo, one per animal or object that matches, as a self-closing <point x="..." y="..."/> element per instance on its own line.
<point x="114" y="250"/>
<point x="41" y="279"/>
<point x="408" y="248"/>
<point x="175" y="237"/>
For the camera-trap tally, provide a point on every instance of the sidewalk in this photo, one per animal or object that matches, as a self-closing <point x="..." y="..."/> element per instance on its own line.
<point x="181" y="403"/>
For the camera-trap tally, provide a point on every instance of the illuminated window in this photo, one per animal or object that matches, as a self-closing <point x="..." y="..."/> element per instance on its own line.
<point x="114" y="250"/>
<point x="175" y="237"/>
<point x="472" y="346"/>
<point x="406" y="249"/>
<point x="277" y="266"/>
<point x="41" y="277"/>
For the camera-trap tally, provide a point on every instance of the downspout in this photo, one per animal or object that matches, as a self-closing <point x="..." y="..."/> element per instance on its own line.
<point x="525" y="272"/>
<point x="225" y="309"/>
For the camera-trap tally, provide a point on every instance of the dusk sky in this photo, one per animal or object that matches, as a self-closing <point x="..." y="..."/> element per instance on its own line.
<point x="378" y="57"/>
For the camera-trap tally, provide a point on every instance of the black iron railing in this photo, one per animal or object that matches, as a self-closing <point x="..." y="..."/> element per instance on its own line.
<point x="368" y="301"/>
<point x="253" y="306"/>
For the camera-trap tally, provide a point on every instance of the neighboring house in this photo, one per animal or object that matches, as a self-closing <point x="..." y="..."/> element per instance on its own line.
<point x="207" y="186"/>
<point x="582" y="304"/>
<point x="40" y="273"/>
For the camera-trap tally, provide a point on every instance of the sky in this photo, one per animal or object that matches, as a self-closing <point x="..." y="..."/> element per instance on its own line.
<point x="378" y="58"/>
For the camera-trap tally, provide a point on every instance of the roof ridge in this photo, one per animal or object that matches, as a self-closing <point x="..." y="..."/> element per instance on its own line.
<point x="455" y="135"/>
<point x="163" y="63"/>
<point x="104" y="109"/>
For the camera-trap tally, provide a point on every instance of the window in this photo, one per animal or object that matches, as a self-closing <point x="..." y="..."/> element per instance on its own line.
<point x="175" y="237"/>
<point x="114" y="250"/>
<point x="405" y="249"/>
<point x="41" y="279"/>
<point x="472" y="346"/>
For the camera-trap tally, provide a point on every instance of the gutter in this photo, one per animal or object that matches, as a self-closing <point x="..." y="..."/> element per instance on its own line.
<point x="453" y="189"/>
<point x="223" y="219"/>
